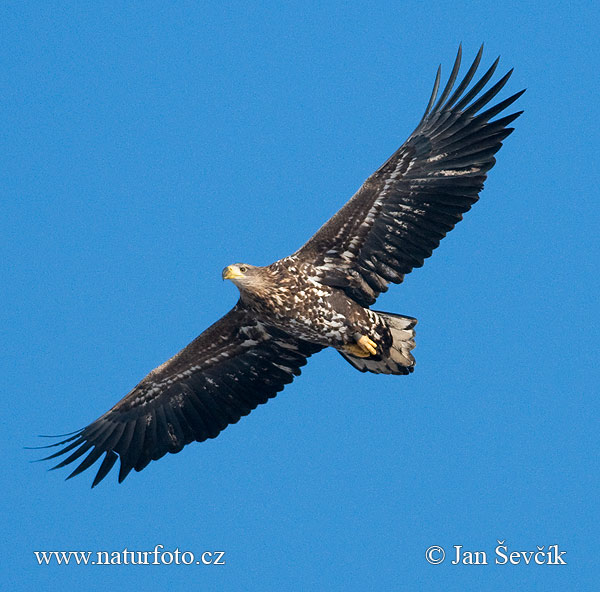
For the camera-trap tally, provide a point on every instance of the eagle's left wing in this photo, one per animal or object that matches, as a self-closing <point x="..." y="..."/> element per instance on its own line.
<point x="400" y="214"/>
<point x="227" y="371"/>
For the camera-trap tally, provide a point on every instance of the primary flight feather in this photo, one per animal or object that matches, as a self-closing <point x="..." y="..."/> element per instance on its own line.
<point x="319" y="296"/>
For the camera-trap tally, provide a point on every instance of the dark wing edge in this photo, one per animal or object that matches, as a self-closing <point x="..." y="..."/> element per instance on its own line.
<point x="225" y="373"/>
<point x="401" y="213"/>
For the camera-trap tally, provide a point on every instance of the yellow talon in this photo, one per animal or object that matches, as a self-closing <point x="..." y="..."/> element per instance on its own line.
<point x="368" y="345"/>
<point x="363" y="348"/>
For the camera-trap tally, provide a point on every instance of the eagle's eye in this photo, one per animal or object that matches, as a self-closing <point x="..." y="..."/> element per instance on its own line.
<point x="243" y="269"/>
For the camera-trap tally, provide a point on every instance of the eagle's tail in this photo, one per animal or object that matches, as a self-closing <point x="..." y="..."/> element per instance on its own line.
<point x="399" y="359"/>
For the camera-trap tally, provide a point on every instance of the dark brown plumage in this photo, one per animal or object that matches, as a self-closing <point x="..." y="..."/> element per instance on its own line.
<point x="319" y="296"/>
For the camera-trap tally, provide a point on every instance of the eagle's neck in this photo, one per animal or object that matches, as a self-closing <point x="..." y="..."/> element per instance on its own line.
<point x="271" y="289"/>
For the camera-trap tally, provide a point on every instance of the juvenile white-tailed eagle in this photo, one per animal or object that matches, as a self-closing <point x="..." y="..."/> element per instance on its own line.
<point x="319" y="296"/>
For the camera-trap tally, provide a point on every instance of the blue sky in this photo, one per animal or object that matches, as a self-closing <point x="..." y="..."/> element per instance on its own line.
<point x="145" y="146"/>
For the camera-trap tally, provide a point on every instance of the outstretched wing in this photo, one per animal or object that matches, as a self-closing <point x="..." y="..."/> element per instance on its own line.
<point x="235" y="365"/>
<point x="402" y="211"/>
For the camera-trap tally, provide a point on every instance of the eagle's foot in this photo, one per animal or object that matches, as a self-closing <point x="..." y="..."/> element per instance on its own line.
<point x="363" y="348"/>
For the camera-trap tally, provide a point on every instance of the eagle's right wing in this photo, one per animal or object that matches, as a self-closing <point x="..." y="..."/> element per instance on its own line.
<point x="403" y="210"/>
<point x="235" y="365"/>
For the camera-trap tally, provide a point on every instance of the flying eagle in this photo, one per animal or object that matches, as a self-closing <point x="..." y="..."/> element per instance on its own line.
<point x="319" y="296"/>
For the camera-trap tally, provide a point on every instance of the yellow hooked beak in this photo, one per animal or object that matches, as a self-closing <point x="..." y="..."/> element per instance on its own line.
<point x="231" y="272"/>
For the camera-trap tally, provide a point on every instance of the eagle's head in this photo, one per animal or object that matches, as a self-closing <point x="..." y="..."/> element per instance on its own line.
<point x="244" y="276"/>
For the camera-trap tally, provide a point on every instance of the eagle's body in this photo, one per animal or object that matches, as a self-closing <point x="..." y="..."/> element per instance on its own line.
<point x="288" y="296"/>
<point x="318" y="297"/>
